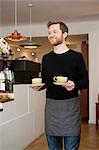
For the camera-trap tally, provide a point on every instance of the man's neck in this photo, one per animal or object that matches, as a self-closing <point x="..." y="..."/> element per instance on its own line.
<point x="61" y="48"/>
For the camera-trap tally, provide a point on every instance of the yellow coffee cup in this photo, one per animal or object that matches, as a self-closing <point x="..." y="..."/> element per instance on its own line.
<point x="60" y="79"/>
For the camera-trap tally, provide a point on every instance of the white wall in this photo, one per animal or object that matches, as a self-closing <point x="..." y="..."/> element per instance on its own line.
<point x="88" y="27"/>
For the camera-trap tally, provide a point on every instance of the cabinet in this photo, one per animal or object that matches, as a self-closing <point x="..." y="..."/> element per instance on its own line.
<point x="24" y="70"/>
<point x="1" y="65"/>
<point x="84" y="96"/>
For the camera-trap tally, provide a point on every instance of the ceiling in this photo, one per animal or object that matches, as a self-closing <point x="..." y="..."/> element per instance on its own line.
<point x="45" y="10"/>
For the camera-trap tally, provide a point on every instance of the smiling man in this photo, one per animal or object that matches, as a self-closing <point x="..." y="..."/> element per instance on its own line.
<point x="62" y="110"/>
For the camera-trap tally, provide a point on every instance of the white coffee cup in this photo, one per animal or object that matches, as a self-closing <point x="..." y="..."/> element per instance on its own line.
<point x="36" y="80"/>
<point x="60" y="79"/>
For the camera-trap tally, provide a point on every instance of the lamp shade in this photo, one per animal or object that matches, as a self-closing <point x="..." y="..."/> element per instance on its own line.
<point x="16" y="36"/>
<point x="29" y="44"/>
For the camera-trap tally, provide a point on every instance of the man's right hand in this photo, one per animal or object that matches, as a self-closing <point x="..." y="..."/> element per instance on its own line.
<point x="37" y="88"/>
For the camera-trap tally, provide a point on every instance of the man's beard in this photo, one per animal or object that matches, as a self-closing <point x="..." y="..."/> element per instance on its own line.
<point x="57" y="42"/>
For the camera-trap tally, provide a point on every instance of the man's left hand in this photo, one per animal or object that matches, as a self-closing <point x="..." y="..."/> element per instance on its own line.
<point x="69" y="85"/>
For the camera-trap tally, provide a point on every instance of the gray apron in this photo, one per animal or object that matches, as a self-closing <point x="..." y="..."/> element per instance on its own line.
<point x="62" y="117"/>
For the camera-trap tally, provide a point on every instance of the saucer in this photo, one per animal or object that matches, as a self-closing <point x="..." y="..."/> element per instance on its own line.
<point x="59" y="83"/>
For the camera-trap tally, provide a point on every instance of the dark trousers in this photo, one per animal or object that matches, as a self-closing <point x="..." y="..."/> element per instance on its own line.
<point x="56" y="142"/>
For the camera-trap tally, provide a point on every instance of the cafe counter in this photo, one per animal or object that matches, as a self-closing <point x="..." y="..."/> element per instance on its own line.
<point x="22" y="119"/>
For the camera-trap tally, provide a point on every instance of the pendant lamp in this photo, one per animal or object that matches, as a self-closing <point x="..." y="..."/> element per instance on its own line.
<point x="29" y="44"/>
<point x="15" y="36"/>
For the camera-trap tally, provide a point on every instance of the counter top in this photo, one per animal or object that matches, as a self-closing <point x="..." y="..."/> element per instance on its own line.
<point x="1" y="91"/>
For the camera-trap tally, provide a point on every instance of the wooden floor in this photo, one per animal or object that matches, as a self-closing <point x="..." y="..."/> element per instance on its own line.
<point x="89" y="139"/>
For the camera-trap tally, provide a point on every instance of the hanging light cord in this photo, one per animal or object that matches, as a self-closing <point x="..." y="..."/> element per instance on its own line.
<point x="15" y="36"/>
<point x="30" y="9"/>
<point x="15" y="15"/>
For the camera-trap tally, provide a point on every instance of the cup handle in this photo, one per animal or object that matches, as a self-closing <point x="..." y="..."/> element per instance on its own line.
<point x="55" y="78"/>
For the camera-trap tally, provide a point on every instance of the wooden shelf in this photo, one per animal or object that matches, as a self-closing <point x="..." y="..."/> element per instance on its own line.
<point x="6" y="100"/>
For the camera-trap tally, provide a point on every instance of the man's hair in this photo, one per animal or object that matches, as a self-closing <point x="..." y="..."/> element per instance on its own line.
<point x="63" y="27"/>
